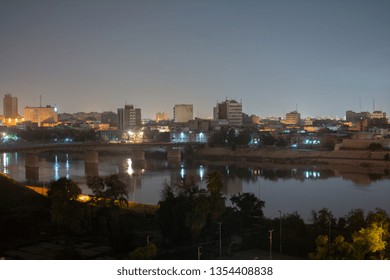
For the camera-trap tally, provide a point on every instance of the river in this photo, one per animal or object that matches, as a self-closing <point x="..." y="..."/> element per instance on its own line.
<point x="285" y="188"/>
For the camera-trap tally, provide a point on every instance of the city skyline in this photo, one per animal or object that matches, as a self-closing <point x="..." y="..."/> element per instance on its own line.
<point x="323" y="57"/>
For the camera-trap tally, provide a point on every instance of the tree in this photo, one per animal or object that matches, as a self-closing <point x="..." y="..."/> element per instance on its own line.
<point x="115" y="188"/>
<point x="217" y="139"/>
<point x="64" y="188"/>
<point x="109" y="190"/>
<point x="96" y="184"/>
<point x="215" y="199"/>
<point x="64" y="205"/>
<point x="248" y="207"/>
<point x="294" y="234"/>
<point x="214" y="182"/>
<point x="231" y="137"/>
<point x="338" y="250"/>
<point x="368" y="242"/>
<point x="324" y="222"/>
<point x="368" y="237"/>
<point x="322" y="249"/>
<point x="187" y="213"/>
<point x="267" y="139"/>
<point x="144" y="253"/>
<point x="375" y="147"/>
<point x="355" y="220"/>
<point x="243" y="138"/>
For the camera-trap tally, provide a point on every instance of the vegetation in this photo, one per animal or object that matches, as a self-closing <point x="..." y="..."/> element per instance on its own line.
<point x="42" y="134"/>
<point x="186" y="217"/>
<point x="108" y="191"/>
<point x="230" y="137"/>
<point x="363" y="238"/>
<point x="23" y="213"/>
<point x="375" y="147"/>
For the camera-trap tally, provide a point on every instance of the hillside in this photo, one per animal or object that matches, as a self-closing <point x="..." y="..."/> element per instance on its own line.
<point x="14" y="195"/>
<point x="23" y="213"/>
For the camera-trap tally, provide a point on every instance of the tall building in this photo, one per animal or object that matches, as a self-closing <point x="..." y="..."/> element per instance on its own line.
<point x="229" y="110"/>
<point x="10" y="106"/>
<point x="161" y="116"/>
<point x="43" y="116"/>
<point x="129" y="117"/>
<point x="293" y="118"/>
<point x="183" y="113"/>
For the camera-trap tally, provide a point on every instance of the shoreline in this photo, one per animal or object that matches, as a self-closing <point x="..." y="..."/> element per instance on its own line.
<point x="357" y="158"/>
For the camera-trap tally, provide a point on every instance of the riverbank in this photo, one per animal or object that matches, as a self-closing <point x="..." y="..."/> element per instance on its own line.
<point x="363" y="158"/>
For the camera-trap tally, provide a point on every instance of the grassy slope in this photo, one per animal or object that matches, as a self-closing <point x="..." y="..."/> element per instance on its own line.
<point x="13" y="195"/>
<point x="23" y="213"/>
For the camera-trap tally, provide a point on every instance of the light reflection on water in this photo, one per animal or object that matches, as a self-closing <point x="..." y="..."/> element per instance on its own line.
<point x="287" y="189"/>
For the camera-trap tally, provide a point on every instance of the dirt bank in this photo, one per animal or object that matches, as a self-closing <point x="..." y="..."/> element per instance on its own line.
<point x="362" y="158"/>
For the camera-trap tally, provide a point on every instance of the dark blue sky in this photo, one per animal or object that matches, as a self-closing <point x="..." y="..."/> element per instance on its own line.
<point x="325" y="57"/>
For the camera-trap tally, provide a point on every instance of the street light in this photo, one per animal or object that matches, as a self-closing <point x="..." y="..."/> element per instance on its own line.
<point x="280" y="232"/>
<point x="220" y="239"/>
<point x="270" y="243"/>
<point x="199" y="252"/>
<point x="329" y="222"/>
<point x="147" y="241"/>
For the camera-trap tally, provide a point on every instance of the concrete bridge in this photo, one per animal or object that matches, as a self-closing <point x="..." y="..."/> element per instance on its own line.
<point x="91" y="153"/>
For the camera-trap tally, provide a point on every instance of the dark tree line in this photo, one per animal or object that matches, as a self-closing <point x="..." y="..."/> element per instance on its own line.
<point x="189" y="215"/>
<point x="43" y="134"/>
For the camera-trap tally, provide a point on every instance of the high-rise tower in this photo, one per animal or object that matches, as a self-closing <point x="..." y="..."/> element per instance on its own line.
<point x="10" y="106"/>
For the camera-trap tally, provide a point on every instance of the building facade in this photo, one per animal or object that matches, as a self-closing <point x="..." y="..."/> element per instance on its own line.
<point x="183" y="113"/>
<point x="161" y="116"/>
<point x="229" y="110"/>
<point x="293" y="118"/>
<point x="353" y="117"/>
<point x="110" y="118"/>
<point x="129" y="117"/>
<point x="10" y="106"/>
<point x="43" y="116"/>
<point x="378" y="115"/>
<point x="84" y="116"/>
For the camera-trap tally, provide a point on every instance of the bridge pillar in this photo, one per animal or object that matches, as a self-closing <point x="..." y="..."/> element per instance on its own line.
<point x="32" y="168"/>
<point x="91" y="163"/>
<point x="139" y="161"/>
<point x="139" y="155"/>
<point x="174" y="157"/>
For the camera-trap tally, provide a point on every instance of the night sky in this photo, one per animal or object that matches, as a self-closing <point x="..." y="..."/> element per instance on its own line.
<point x="323" y="57"/>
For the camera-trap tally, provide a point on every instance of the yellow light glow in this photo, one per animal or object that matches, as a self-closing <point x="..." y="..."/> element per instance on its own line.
<point x="83" y="198"/>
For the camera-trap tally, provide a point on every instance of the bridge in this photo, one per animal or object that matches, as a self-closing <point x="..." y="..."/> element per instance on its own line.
<point x="91" y="153"/>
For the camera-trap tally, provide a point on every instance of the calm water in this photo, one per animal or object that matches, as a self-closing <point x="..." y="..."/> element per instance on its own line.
<point x="288" y="189"/>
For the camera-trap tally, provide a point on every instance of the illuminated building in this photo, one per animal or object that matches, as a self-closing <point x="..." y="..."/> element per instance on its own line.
<point x="161" y="116"/>
<point x="10" y="106"/>
<point x="10" y="110"/>
<point x="183" y="113"/>
<point x="378" y="115"/>
<point x="293" y="118"/>
<point x="43" y="116"/>
<point x="129" y="117"/>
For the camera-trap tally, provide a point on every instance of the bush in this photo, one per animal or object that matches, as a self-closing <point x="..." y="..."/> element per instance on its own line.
<point x="375" y="147"/>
